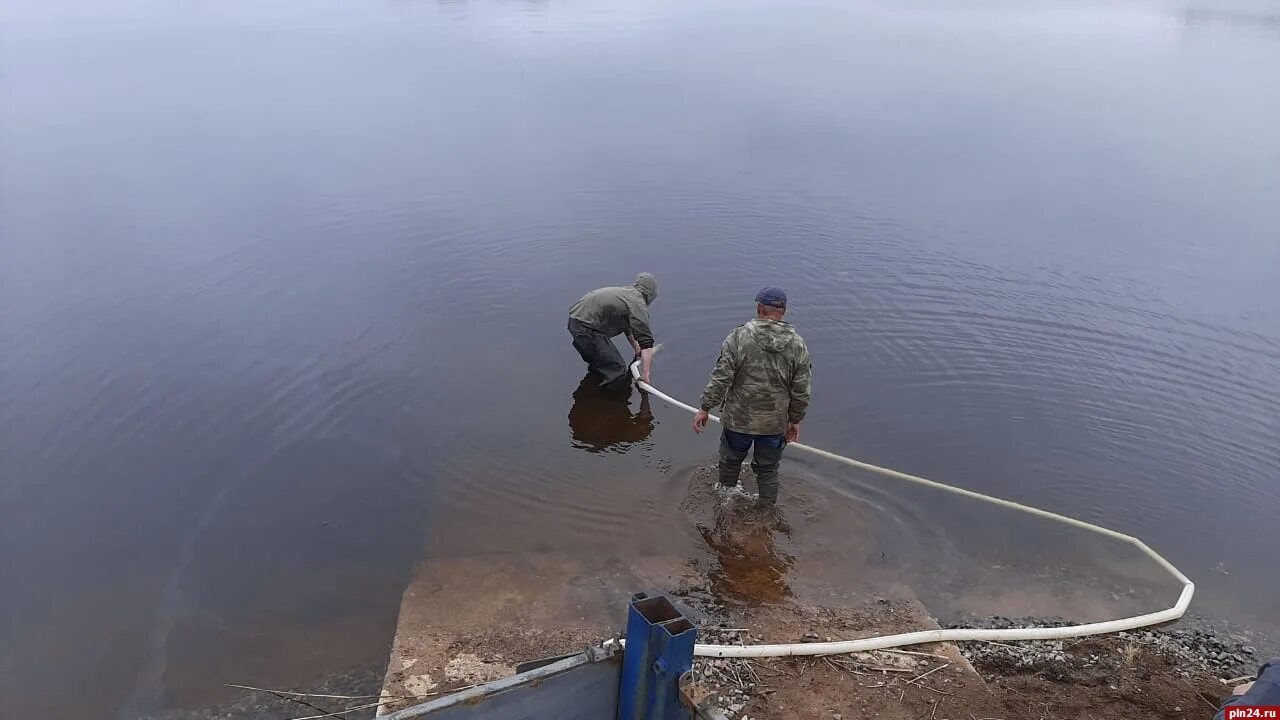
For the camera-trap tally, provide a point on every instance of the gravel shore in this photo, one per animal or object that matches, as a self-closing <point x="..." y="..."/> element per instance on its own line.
<point x="1195" y="646"/>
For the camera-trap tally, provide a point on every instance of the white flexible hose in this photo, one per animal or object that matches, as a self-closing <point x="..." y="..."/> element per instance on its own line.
<point x="953" y="634"/>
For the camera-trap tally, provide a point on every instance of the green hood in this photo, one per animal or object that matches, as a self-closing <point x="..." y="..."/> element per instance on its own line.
<point x="773" y="336"/>
<point x="648" y="287"/>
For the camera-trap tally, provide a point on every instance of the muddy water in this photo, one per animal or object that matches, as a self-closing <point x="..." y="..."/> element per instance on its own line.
<point x="282" y="295"/>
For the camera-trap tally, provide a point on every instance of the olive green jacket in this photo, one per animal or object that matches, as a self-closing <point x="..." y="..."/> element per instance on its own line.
<point x="617" y="310"/>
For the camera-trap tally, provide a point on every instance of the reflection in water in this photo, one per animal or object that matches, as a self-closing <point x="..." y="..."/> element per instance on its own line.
<point x="601" y="419"/>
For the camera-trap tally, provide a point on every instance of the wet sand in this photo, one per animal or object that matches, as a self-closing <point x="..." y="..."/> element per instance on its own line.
<point x="467" y="620"/>
<point x="471" y="618"/>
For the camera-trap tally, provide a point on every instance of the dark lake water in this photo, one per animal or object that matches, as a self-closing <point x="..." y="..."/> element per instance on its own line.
<point x="283" y="286"/>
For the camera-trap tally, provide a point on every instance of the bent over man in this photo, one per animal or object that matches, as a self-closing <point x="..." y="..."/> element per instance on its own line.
<point x="606" y="313"/>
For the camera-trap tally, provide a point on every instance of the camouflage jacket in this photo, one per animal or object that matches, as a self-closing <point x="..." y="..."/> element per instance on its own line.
<point x="762" y="378"/>
<point x="617" y="310"/>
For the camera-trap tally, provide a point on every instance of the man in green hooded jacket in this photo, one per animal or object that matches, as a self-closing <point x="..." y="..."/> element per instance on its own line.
<point x="762" y="379"/>
<point x="606" y="313"/>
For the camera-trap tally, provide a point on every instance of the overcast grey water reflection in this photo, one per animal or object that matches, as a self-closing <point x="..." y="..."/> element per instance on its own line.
<point x="283" y="285"/>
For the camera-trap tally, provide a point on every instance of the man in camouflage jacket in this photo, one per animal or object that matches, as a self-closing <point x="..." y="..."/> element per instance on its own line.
<point x="762" y="380"/>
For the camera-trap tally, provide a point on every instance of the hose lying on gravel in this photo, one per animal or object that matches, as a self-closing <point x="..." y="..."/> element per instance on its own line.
<point x="952" y="634"/>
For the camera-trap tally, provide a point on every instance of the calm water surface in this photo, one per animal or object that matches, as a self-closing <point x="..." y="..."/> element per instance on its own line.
<point x="283" y="284"/>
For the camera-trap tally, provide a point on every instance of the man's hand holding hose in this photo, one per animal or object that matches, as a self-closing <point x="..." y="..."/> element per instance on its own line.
<point x="646" y="360"/>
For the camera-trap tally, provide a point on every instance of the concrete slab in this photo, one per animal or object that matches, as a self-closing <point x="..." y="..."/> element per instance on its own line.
<point x="468" y="620"/>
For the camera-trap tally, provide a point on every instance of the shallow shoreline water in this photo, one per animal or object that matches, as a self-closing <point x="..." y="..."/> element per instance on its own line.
<point x="283" y="295"/>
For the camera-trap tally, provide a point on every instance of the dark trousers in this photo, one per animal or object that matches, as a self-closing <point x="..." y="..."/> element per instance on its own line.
<point x="598" y="351"/>
<point x="768" y="454"/>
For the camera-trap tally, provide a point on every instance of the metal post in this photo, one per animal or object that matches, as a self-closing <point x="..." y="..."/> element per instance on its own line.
<point x="659" y="650"/>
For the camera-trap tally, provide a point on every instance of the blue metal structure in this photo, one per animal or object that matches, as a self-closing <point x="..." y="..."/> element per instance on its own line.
<point x="659" y="650"/>
<point x="640" y="682"/>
